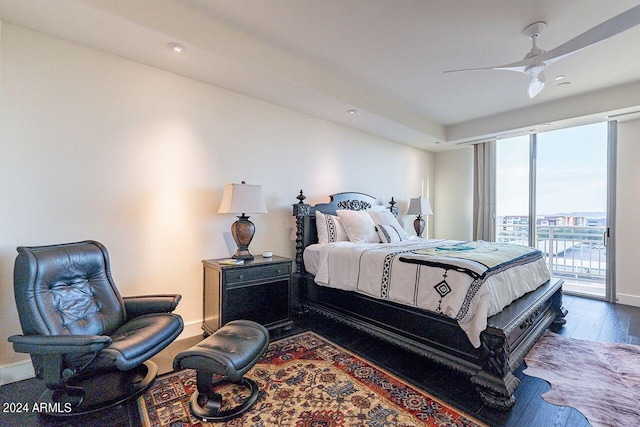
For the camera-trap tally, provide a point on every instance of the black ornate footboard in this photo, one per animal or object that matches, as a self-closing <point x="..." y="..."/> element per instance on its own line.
<point x="508" y="337"/>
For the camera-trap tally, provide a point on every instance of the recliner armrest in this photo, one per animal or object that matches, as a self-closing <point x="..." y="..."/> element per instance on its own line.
<point x="59" y="344"/>
<point x="149" y="304"/>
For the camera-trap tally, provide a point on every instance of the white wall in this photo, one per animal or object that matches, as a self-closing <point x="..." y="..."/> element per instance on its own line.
<point x="93" y="146"/>
<point x="627" y="213"/>
<point x="453" y="202"/>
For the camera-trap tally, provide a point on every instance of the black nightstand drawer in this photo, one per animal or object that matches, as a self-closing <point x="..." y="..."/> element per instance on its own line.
<point x="249" y="274"/>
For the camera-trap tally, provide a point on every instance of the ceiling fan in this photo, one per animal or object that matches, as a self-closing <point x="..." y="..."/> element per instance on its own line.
<point x="537" y="59"/>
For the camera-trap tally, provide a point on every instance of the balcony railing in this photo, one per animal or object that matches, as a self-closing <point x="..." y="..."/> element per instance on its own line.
<point x="576" y="254"/>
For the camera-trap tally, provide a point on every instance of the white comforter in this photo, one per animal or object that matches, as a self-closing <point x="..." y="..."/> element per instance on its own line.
<point x="375" y="269"/>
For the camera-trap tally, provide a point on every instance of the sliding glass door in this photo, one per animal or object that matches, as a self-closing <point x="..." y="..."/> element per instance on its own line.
<point x="571" y="205"/>
<point x="552" y="193"/>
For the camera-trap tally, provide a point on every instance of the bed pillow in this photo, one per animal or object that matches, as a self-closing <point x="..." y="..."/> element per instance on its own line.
<point x="359" y="226"/>
<point x="330" y="228"/>
<point x="388" y="233"/>
<point x="386" y="218"/>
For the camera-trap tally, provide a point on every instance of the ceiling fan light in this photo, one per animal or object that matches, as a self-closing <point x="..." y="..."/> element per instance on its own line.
<point x="536" y="84"/>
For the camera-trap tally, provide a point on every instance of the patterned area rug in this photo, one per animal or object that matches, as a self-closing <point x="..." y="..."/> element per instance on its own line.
<point x="600" y="380"/>
<point x="307" y="381"/>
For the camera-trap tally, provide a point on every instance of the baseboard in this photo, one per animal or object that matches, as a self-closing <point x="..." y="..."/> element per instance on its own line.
<point x="191" y="329"/>
<point x="16" y="372"/>
<point x="625" y="299"/>
<point x="24" y="370"/>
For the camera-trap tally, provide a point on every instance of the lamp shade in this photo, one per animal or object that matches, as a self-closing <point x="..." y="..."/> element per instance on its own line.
<point x="419" y="206"/>
<point x="242" y="198"/>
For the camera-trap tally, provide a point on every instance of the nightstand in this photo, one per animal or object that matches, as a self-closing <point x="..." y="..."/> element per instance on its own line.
<point x="258" y="290"/>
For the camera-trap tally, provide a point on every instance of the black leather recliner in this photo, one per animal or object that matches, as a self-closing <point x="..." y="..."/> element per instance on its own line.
<point x="89" y="345"/>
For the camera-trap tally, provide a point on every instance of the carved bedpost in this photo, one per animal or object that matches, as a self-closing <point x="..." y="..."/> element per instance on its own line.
<point x="561" y="312"/>
<point x="496" y="383"/>
<point x="301" y="211"/>
<point x="392" y="207"/>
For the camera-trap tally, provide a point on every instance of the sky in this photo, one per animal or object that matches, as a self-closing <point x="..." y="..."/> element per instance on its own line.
<point x="571" y="172"/>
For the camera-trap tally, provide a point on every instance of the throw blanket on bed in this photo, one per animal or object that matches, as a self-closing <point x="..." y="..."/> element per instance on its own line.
<point x="491" y="255"/>
<point x="427" y="274"/>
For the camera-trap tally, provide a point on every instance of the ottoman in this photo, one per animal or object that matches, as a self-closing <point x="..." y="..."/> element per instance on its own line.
<point x="230" y="352"/>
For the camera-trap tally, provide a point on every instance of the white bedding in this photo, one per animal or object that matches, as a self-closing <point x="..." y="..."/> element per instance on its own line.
<point x="375" y="269"/>
<point x="311" y="257"/>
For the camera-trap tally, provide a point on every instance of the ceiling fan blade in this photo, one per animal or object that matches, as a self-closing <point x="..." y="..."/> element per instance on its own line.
<point x="608" y="28"/>
<point x="531" y="67"/>
<point x="536" y="83"/>
<point x="468" y="69"/>
<point x="519" y="66"/>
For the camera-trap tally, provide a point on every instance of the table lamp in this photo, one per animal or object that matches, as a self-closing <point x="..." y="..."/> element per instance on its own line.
<point x="419" y="206"/>
<point x="242" y="199"/>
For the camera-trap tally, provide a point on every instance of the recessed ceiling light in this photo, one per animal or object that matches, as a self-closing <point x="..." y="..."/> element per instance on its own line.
<point x="177" y="47"/>
<point x="352" y="111"/>
<point x="560" y="77"/>
<point x="564" y="84"/>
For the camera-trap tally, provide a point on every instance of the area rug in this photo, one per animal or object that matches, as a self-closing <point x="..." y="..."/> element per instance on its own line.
<point x="306" y="381"/>
<point x="600" y="380"/>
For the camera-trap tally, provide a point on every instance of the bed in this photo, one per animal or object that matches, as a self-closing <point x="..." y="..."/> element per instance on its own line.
<point x="487" y="349"/>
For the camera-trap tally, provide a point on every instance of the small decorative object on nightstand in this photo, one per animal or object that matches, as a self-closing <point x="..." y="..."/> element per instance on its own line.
<point x="419" y="206"/>
<point x="258" y="290"/>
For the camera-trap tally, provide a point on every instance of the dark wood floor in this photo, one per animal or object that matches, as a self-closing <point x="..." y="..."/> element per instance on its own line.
<point x="587" y="319"/>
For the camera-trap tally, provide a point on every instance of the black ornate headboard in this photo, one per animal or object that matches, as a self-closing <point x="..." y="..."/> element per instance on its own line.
<point x="306" y="231"/>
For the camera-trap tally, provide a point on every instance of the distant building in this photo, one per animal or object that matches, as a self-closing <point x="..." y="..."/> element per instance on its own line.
<point x="596" y="222"/>
<point x="552" y="221"/>
<point x="561" y="220"/>
<point x="513" y="220"/>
